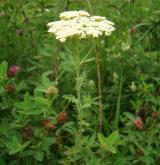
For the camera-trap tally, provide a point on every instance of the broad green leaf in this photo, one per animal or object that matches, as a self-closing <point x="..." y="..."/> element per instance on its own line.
<point x="47" y="142"/>
<point x="41" y="100"/>
<point x="16" y="146"/>
<point x="46" y="82"/>
<point x="32" y="111"/>
<point x="113" y="138"/>
<point x="109" y="143"/>
<point x="101" y="138"/>
<point x="26" y="104"/>
<point x="39" y="156"/>
<point x="29" y="106"/>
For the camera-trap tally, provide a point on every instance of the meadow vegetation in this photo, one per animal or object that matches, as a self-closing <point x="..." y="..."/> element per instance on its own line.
<point x="90" y="101"/>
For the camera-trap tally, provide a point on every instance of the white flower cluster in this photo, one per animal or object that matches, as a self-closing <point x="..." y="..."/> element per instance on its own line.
<point x="81" y="25"/>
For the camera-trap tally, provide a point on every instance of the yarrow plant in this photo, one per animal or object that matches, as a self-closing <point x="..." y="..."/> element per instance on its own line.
<point x="78" y="25"/>
<point x="81" y="25"/>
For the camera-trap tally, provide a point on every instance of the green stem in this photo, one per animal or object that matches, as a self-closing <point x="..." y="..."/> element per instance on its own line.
<point x="78" y="78"/>
<point x="78" y="90"/>
<point x="90" y="6"/>
<point x="98" y="68"/>
<point x="118" y="105"/>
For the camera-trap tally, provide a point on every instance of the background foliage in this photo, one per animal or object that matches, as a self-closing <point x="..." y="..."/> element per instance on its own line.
<point x="38" y="126"/>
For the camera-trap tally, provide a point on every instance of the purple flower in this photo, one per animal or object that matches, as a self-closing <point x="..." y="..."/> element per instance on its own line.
<point x="138" y="123"/>
<point x="13" y="70"/>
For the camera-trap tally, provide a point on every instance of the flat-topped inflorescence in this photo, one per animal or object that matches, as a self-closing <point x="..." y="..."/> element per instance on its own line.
<point x="81" y="25"/>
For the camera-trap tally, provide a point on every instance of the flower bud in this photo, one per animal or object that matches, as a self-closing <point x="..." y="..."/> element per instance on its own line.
<point x="52" y="90"/>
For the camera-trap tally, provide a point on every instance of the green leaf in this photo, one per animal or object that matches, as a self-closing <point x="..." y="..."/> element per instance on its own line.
<point x="16" y="146"/>
<point x="110" y="143"/>
<point x="120" y="161"/>
<point x="3" y="70"/>
<point x="129" y="115"/>
<point x="26" y="104"/>
<point x="47" y="142"/>
<point x="46" y="82"/>
<point x="113" y="138"/>
<point x="29" y="107"/>
<point x="39" y="156"/>
<point x="43" y="101"/>
<point x="101" y="138"/>
<point x="88" y="60"/>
